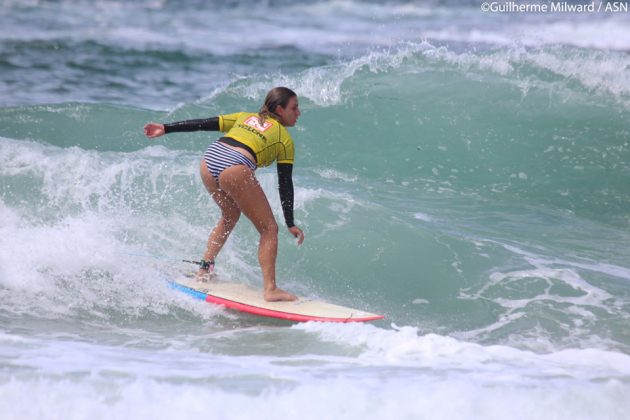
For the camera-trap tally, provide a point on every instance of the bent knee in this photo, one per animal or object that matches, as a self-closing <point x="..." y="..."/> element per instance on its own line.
<point x="270" y="228"/>
<point x="230" y="220"/>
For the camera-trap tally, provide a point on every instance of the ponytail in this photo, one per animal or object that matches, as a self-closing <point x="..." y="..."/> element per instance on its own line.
<point x="278" y="96"/>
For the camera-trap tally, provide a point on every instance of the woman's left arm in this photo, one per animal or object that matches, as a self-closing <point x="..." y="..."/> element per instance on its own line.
<point x="285" y="187"/>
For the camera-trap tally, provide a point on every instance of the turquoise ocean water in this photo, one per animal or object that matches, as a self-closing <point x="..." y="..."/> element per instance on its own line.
<point x="466" y="174"/>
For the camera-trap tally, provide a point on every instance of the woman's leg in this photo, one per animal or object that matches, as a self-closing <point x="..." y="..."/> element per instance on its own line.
<point x="240" y="183"/>
<point x="230" y="214"/>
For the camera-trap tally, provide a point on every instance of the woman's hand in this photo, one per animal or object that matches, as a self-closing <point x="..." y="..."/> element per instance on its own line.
<point x="152" y="130"/>
<point x="297" y="232"/>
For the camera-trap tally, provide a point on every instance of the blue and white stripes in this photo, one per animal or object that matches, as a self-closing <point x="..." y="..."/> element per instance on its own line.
<point x="218" y="157"/>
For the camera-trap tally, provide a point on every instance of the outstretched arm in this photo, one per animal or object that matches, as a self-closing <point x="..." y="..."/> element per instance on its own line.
<point x="152" y="130"/>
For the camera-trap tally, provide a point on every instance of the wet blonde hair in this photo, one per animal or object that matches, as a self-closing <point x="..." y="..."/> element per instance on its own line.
<point x="278" y="96"/>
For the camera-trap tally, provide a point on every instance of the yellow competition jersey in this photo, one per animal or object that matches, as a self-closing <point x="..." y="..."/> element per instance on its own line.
<point x="270" y="141"/>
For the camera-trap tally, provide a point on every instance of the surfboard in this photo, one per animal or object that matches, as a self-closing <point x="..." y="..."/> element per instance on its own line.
<point x="242" y="297"/>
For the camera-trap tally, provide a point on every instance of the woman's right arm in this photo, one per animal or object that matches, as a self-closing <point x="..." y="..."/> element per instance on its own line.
<point x="152" y="130"/>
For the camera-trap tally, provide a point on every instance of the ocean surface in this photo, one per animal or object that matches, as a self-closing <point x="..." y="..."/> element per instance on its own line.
<point x="464" y="173"/>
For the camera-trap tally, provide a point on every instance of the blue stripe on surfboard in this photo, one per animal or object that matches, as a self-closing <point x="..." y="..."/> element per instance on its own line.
<point x="192" y="292"/>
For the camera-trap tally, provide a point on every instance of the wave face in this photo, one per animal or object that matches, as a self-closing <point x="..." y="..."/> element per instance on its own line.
<point x="463" y="173"/>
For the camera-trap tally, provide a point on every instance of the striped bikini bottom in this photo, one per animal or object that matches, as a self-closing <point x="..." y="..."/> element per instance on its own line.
<point x="219" y="157"/>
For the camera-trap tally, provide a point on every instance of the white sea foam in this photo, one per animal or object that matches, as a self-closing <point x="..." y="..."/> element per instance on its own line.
<point x="423" y="217"/>
<point x="550" y="286"/>
<point x="605" y="34"/>
<point x="75" y="176"/>
<point x="590" y="295"/>
<point x="322" y="85"/>
<point x="78" y="264"/>
<point x="405" y="347"/>
<point x="538" y="260"/>
<point x="595" y="71"/>
<point x="344" y="398"/>
<point x="392" y="373"/>
<point x="336" y="175"/>
<point x="64" y="254"/>
<point x="419" y="301"/>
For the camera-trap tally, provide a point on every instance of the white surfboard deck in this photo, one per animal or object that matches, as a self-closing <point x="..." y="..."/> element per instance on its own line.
<point x="248" y="299"/>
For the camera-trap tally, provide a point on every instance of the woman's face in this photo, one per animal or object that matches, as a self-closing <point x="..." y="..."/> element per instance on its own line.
<point x="289" y="115"/>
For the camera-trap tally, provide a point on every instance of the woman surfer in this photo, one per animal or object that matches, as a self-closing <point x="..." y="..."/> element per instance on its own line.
<point x="227" y="170"/>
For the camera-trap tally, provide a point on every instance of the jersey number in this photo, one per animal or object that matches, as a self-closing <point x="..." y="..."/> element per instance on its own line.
<point x="253" y="122"/>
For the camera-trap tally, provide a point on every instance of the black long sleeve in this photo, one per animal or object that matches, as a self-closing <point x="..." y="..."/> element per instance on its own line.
<point x="285" y="187"/>
<point x="208" y="124"/>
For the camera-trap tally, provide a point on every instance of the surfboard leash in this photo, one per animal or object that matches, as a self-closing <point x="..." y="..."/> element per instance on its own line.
<point x="203" y="264"/>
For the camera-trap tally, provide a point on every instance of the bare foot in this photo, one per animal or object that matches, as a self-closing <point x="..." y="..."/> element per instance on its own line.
<point x="275" y="295"/>
<point x="204" y="275"/>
